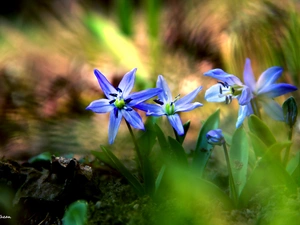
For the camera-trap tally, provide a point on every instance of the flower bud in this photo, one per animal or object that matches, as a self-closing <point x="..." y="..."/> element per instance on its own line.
<point x="290" y="111"/>
<point x="215" y="137"/>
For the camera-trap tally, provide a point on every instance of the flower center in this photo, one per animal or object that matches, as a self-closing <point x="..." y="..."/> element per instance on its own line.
<point x="120" y="103"/>
<point x="170" y="108"/>
<point x="228" y="91"/>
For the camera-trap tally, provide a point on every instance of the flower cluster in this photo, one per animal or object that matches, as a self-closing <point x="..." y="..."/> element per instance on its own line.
<point x="251" y="95"/>
<point x="120" y="103"/>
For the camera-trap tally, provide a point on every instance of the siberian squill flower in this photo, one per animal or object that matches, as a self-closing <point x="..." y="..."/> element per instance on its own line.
<point x="215" y="137"/>
<point x="119" y="102"/>
<point x="169" y="107"/>
<point x="228" y="88"/>
<point x="265" y="89"/>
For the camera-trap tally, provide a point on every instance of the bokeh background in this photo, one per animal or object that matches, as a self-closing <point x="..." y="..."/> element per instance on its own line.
<point x="49" y="49"/>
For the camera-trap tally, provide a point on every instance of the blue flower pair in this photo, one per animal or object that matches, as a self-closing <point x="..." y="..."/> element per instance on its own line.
<point x="120" y="103"/>
<point x="261" y="92"/>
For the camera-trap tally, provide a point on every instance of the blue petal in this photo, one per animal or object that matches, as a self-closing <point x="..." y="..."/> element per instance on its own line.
<point x="187" y="107"/>
<point x="188" y="98"/>
<point x="268" y="77"/>
<point x="249" y="78"/>
<point x="134" y="119"/>
<point x="141" y="96"/>
<point x="176" y="123"/>
<point x="272" y="108"/>
<point x="106" y="87"/>
<point x="114" y="124"/>
<point x="165" y="95"/>
<point x="212" y="94"/>
<point x="100" y="106"/>
<point x="244" y="110"/>
<point x="275" y="90"/>
<point x="151" y="109"/>
<point x="223" y="76"/>
<point x="246" y="96"/>
<point x="127" y="82"/>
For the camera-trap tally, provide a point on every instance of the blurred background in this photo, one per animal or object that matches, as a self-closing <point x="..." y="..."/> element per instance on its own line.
<point x="49" y="49"/>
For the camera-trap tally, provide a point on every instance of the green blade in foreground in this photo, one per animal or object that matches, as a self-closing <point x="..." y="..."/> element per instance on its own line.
<point x="261" y="130"/>
<point x="203" y="149"/>
<point x="139" y="189"/>
<point x="238" y="154"/>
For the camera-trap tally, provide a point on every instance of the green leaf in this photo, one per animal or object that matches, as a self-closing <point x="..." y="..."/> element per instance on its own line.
<point x="274" y="152"/>
<point x="163" y="143"/>
<point x="258" y="145"/>
<point x="296" y="173"/>
<point x="147" y="139"/>
<point x="267" y="174"/>
<point x="261" y="130"/>
<point x="203" y="149"/>
<point x="103" y="158"/>
<point x="178" y="152"/>
<point x="293" y="164"/>
<point x="159" y="177"/>
<point x="76" y="213"/>
<point x="238" y="154"/>
<point x="186" y="127"/>
<point x="139" y="189"/>
<point x="45" y="156"/>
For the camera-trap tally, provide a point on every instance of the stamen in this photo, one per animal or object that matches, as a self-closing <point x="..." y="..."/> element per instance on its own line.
<point x="220" y="90"/>
<point x="116" y="111"/>
<point x="119" y="90"/>
<point x="112" y="101"/>
<point x="176" y="98"/>
<point x="128" y="100"/>
<point x="221" y="83"/>
<point x="228" y="99"/>
<point x="128" y="109"/>
<point x="113" y="94"/>
<point x="158" y="101"/>
<point x="232" y="89"/>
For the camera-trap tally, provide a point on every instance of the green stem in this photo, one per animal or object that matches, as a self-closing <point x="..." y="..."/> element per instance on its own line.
<point x="287" y="151"/>
<point x="255" y="108"/>
<point x="231" y="180"/>
<point x="140" y="159"/>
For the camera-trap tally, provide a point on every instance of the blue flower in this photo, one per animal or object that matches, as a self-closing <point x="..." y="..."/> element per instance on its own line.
<point x="120" y="102"/>
<point x="228" y="87"/>
<point x="215" y="137"/>
<point x="169" y="107"/>
<point x="265" y="89"/>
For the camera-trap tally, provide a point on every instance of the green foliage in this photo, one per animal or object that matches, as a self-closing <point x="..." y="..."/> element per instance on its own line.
<point x="125" y="14"/>
<point x="117" y="45"/>
<point x="203" y="149"/>
<point x="178" y="152"/>
<point x="41" y="157"/>
<point x="293" y="168"/>
<point x="268" y="173"/>
<point x="261" y="130"/>
<point x="258" y="145"/>
<point x="238" y="154"/>
<point x="76" y="214"/>
<point x="186" y="127"/>
<point x="139" y="189"/>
